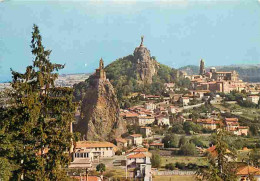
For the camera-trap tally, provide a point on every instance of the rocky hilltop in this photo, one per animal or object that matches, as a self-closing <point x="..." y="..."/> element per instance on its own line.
<point x="146" y="67"/>
<point x="100" y="109"/>
<point x="140" y="73"/>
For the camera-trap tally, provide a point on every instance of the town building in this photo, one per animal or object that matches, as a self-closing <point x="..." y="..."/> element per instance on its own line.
<point x="202" y="67"/>
<point x="136" y="139"/>
<point x="207" y="123"/>
<point x="145" y="119"/>
<point x="163" y="120"/>
<point x="149" y="106"/>
<point x="146" y="131"/>
<point x="254" y="99"/>
<point x="155" y="145"/>
<point x="169" y="87"/>
<point x="121" y="143"/>
<point x="244" y="173"/>
<point x="232" y="125"/>
<point x="87" y="152"/>
<point x="185" y="101"/>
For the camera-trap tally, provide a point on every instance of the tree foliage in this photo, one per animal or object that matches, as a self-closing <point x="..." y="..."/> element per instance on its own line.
<point x="34" y="130"/>
<point x="156" y="160"/>
<point x="171" y="141"/>
<point x="101" y="168"/>
<point x="221" y="166"/>
<point x="188" y="149"/>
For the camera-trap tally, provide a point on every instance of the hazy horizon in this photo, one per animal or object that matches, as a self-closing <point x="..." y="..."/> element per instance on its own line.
<point x="178" y="33"/>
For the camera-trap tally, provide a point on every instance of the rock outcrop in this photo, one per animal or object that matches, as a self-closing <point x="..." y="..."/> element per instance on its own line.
<point x="100" y="110"/>
<point x="146" y="66"/>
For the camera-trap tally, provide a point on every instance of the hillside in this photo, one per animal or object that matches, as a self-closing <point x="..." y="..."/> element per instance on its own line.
<point x="123" y="75"/>
<point x="248" y="73"/>
<point x="137" y="73"/>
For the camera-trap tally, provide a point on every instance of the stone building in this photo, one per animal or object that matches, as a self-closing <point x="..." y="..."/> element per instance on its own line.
<point x="202" y="67"/>
<point x="100" y="72"/>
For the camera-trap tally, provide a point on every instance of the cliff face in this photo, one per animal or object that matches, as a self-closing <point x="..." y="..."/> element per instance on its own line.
<point x="100" y="110"/>
<point x="146" y="66"/>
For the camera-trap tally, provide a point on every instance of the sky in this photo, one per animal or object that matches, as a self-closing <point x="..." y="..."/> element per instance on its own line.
<point x="178" y="33"/>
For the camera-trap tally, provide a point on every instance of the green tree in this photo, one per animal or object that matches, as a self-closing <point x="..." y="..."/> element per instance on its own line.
<point x="197" y="141"/>
<point x="101" y="168"/>
<point x="177" y="128"/>
<point x="170" y="166"/>
<point x="171" y="141"/>
<point x="254" y="157"/>
<point x="221" y="167"/>
<point x="188" y="149"/>
<point x="35" y="134"/>
<point x="156" y="160"/>
<point x="190" y="127"/>
<point x="182" y="141"/>
<point x="5" y="169"/>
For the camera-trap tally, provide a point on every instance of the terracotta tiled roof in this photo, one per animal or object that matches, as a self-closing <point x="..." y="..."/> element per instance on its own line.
<point x="223" y="72"/>
<point x="243" y="127"/>
<point x="83" y="178"/>
<point x="156" y="144"/>
<point x="136" y="135"/>
<point x="93" y="144"/>
<point x="137" y="155"/>
<point x="146" y="128"/>
<point x="139" y="150"/>
<point x="131" y="115"/>
<point x="231" y="119"/>
<point x="246" y="170"/>
<point x="213" y="152"/>
<point x="206" y="121"/>
<point x="121" y="140"/>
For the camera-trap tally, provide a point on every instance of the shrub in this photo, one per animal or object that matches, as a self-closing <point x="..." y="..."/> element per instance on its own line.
<point x="156" y="160"/>
<point x="170" y="141"/>
<point x="118" y="152"/>
<point x="188" y="149"/>
<point x="170" y="166"/>
<point x="180" y="165"/>
<point x="192" y="166"/>
<point x="197" y="141"/>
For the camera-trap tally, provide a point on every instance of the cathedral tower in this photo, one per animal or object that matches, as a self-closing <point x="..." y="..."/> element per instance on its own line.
<point x="202" y="67"/>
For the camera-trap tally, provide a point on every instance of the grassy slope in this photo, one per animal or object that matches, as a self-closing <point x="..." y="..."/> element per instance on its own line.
<point x="175" y="178"/>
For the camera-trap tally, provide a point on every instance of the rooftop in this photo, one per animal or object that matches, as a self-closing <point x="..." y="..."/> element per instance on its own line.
<point x="93" y="144"/>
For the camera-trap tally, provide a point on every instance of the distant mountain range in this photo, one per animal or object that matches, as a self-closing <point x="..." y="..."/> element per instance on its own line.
<point x="248" y="73"/>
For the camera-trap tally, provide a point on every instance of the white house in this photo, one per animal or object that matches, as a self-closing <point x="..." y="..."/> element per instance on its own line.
<point x="149" y="106"/>
<point x="163" y="120"/>
<point x="146" y="131"/>
<point x="185" y="101"/>
<point x="87" y="151"/>
<point x="138" y="158"/>
<point x="144" y="120"/>
<point x="142" y="164"/>
<point x="253" y="99"/>
<point x="121" y="143"/>
<point x="136" y="139"/>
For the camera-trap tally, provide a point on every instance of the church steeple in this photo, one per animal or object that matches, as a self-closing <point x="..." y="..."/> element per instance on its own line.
<point x="101" y="64"/>
<point x="142" y="40"/>
<point x="100" y="72"/>
<point x="202" y="67"/>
